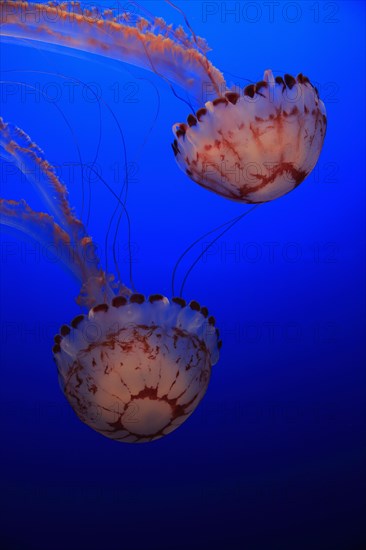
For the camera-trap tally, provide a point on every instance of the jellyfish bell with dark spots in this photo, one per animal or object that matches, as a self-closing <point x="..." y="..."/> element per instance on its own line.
<point x="133" y="369"/>
<point x="257" y="146"/>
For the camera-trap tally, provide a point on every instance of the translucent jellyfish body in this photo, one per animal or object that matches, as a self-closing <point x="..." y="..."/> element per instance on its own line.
<point x="132" y="369"/>
<point x="257" y="146"/>
<point x="136" y="369"/>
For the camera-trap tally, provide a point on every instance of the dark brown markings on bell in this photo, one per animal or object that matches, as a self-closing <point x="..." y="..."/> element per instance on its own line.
<point x="261" y="84"/>
<point x="151" y="393"/>
<point x="77" y="320"/>
<point x="58" y="339"/>
<point x="100" y="307"/>
<point x="192" y="121"/>
<point x="155" y="298"/>
<point x="180" y="301"/>
<point x="219" y="344"/>
<point x="250" y="90"/>
<point x="290" y="81"/>
<point x="80" y="381"/>
<point x="204" y="311"/>
<point x="180" y="133"/>
<point x="147" y="393"/>
<point x="279" y="80"/>
<point x="212" y="320"/>
<point x="189" y="173"/>
<point x="232" y="97"/>
<point x="201" y="113"/>
<point x="137" y="299"/>
<point x="119" y="301"/>
<point x="282" y="168"/>
<point x="65" y="330"/>
<point x="175" y="147"/>
<point x="302" y="79"/>
<point x="195" y="305"/>
<point x="56" y="348"/>
<point x="219" y="100"/>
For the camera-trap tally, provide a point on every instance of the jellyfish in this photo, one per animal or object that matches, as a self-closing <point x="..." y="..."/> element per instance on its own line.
<point x="251" y="145"/>
<point x="258" y="146"/>
<point x="133" y="368"/>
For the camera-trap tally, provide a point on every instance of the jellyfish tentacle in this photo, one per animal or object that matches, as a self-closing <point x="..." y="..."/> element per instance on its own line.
<point x="42" y="228"/>
<point x="80" y="259"/>
<point x="91" y="169"/>
<point x="65" y="119"/>
<point x="124" y="37"/>
<point x="19" y="148"/>
<point x="125" y="212"/>
<point x="193" y="244"/>
<point x="228" y="225"/>
<point x="31" y="161"/>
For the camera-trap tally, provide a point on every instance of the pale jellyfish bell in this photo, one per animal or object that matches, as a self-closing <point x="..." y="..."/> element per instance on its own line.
<point x="132" y="368"/>
<point x="257" y="145"/>
<point x="252" y="145"/>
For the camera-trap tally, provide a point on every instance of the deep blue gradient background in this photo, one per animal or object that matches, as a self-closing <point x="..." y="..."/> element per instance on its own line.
<point x="273" y="457"/>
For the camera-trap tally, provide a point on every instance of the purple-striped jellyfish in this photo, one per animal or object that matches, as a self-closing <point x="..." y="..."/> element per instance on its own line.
<point x="132" y="368"/>
<point x="252" y="145"/>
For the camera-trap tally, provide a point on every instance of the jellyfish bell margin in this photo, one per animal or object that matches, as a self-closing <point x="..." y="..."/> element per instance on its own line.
<point x="134" y="370"/>
<point x="256" y="146"/>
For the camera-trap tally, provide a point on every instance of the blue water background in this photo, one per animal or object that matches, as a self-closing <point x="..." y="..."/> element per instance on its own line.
<point x="272" y="458"/>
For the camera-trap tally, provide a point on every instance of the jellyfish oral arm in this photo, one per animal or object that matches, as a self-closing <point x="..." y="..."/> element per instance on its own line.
<point x="150" y="44"/>
<point x="42" y="228"/>
<point x="29" y="158"/>
<point x="69" y="238"/>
